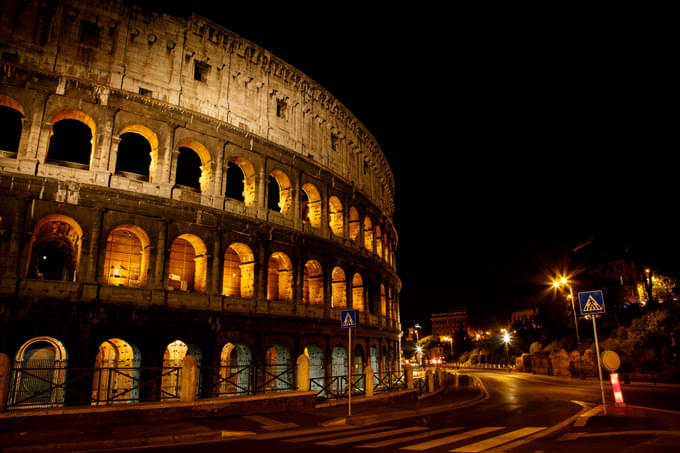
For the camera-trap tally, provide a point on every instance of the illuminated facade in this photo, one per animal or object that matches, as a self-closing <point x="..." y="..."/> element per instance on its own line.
<point x="168" y="188"/>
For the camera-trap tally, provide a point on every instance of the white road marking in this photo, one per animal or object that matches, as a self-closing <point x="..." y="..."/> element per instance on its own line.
<point x="350" y="438"/>
<point x="498" y="440"/>
<point x="451" y="439"/>
<point x="399" y="440"/>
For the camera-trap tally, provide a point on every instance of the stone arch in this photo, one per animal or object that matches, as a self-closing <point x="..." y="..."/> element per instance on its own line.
<point x="239" y="271"/>
<point x="312" y="283"/>
<point x="278" y="371"/>
<point x="279" y="192"/>
<point x="316" y="366"/>
<point x="137" y="151"/>
<point x="173" y="360"/>
<point x="117" y="373"/>
<point x="383" y="301"/>
<point x="335" y="216"/>
<point x="40" y="365"/>
<point x="378" y="241"/>
<point x="11" y="118"/>
<point x="339" y="368"/>
<point x="55" y="249"/>
<point x="235" y="369"/>
<point x="71" y="140"/>
<point x="354" y="223"/>
<point x="280" y="277"/>
<point x="193" y="169"/>
<point x="373" y="361"/>
<point x="311" y="205"/>
<point x="358" y="363"/>
<point x="241" y="180"/>
<point x="338" y="288"/>
<point x="358" y="293"/>
<point x="187" y="264"/>
<point x="127" y="257"/>
<point x="368" y="234"/>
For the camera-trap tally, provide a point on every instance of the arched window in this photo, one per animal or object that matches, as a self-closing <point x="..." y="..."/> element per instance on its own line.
<point x="11" y="115"/>
<point x="134" y="156"/>
<point x="368" y="234"/>
<point x="312" y="284"/>
<point x="40" y="372"/>
<point x="235" y="366"/>
<point x="279" y="192"/>
<point x="117" y="372"/>
<point x="241" y="180"/>
<point x="358" y="293"/>
<point x="280" y="277"/>
<point x="335" y="215"/>
<point x="71" y="139"/>
<point x="173" y="360"/>
<point x="239" y="271"/>
<point x="338" y="288"/>
<point x="55" y="249"/>
<point x="311" y="205"/>
<point x="187" y="264"/>
<point x="127" y="257"/>
<point x="278" y="372"/>
<point x="354" y="223"/>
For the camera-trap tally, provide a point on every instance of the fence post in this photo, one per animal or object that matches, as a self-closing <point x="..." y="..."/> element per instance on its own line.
<point x="5" y="372"/>
<point x="430" y="380"/>
<point x="187" y="388"/>
<point x="302" y="373"/>
<point x="368" y="380"/>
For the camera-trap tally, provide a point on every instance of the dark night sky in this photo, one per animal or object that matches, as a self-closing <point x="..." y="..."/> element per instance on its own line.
<point x="513" y="134"/>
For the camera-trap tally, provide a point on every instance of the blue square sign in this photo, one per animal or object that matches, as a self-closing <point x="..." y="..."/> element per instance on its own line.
<point x="348" y="318"/>
<point x="591" y="302"/>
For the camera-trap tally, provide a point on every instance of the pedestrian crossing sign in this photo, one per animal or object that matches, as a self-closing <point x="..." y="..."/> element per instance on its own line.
<point x="591" y="302"/>
<point x="348" y="318"/>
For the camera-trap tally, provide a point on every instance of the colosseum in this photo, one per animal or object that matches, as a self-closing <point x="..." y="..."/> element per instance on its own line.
<point x="168" y="189"/>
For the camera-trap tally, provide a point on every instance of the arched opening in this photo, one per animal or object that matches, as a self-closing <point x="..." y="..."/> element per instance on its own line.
<point x="241" y="180"/>
<point x="358" y="293"/>
<point x="358" y="360"/>
<point x="338" y="288"/>
<point x="235" y="367"/>
<point x="189" y="169"/>
<point x="311" y="205"/>
<point x="312" y="283"/>
<point x="279" y="192"/>
<point x="239" y="271"/>
<point x="127" y="257"/>
<point x="235" y="182"/>
<point x="134" y="156"/>
<point x="378" y="241"/>
<point x="280" y="277"/>
<point x="354" y="223"/>
<point x="117" y="371"/>
<point x="278" y="372"/>
<point x="339" y="368"/>
<point x="373" y="362"/>
<point x="335" y="216"/>
<point x="71" y="139"/>
<point x="173" y="360"/>
<point x="55" y="249"/>
<point x="368" y="234"/>
<point x="383" y="301"/>
<point x="11" y="116"/>
<point x="187" y="267"/>
<point x="316" y="361"/>
<point x="40" y="372"/>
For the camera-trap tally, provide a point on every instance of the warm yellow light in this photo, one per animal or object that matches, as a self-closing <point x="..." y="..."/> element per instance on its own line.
<point x="563" y="280"/>
<point x="506" y="337"/>
<point x="556" y="284"/>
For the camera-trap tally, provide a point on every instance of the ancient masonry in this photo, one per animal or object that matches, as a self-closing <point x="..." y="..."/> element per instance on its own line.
<point x="170" y="189"/>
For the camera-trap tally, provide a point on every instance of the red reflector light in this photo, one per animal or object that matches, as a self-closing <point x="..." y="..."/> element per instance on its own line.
<point x="616" y="388"/>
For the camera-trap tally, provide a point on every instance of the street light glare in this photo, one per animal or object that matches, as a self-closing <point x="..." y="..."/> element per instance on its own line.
<point x="506" y="337"/>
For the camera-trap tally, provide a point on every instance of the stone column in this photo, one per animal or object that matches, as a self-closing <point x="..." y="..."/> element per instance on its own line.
<point x="5" y="372"/>
<point x="302" y="373"/>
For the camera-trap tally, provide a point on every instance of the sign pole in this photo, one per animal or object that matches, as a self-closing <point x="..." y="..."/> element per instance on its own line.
<point x="349" y="374"/>
<point x="599" y="365"/>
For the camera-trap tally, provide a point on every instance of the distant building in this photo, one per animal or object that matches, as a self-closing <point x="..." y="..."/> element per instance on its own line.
<point x="523" y="316"/>
<point x="451" y="323"/>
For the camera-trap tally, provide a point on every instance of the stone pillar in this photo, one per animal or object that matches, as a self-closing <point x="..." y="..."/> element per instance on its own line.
<point x="261" y="201"/>
<point x="302" y="373"/>
<point x="93" y="252"/>
<point x="408" y="371"/>
<point x="216" y="260"/>
<point x="5" y="370"/>
<point x="429" y="379"/>
<point x="161" y="246"/>
<point x="368" y="380"/>
<point x="297" y="211"/>
<point x="187" y="384"/>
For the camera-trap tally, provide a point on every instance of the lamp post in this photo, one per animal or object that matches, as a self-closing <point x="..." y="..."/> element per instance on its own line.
<point x="506" y="340"/>
<point x="564" y="281"/>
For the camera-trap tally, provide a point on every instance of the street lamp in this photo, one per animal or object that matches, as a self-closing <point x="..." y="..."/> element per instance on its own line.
<point x="564" y="281"/>
<point x="506" y="340"/>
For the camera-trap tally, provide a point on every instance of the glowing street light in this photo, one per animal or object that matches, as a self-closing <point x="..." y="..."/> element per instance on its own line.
<point x="563" y="281"/>
<point x="506" y="340"/>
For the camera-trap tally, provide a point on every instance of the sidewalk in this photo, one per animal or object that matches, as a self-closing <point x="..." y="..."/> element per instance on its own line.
<point x="85" y="432"/>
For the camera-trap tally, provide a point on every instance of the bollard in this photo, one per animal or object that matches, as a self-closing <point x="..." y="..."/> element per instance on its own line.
<point x="408" y="371"/>
<point x="5" y="371"/>
<point x="302" y="376"/>
<point x="368" y="384"/>
<point x="430" y="380"/>
<point x="187" y="387"/>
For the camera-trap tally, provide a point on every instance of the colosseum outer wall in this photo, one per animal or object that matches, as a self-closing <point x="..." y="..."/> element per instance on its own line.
<point x="261" y="209"/>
